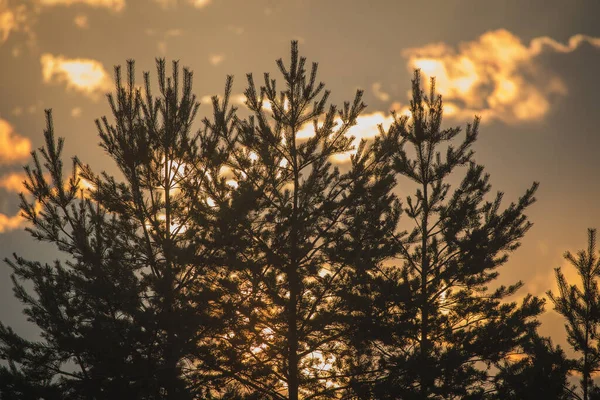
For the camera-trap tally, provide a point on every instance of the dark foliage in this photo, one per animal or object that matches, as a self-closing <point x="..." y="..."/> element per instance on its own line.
<point x="541" y="373"/>
<point x="456" y="327"/>
<point x="130" y="310"/>
<point x="580" y="306"/>
<point x="240" y="262"/>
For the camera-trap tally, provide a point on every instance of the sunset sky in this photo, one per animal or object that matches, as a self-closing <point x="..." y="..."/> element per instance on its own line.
<point x="528" y="68"/>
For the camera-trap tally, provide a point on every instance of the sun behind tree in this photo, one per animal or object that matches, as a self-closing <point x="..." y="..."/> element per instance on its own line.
<point x="239" y="262"/>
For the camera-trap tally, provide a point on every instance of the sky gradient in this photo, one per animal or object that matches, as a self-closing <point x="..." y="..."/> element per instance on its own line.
<point x="528" y="68"/>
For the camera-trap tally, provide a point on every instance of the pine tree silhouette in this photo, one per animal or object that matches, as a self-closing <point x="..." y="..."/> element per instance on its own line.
<point x="240" y="263"/>
<point x="580" y="306"/>
<point x="439" y="341"/>
<point x="130" y="309"/>
<point x="289" y="340"/>
<point x="540" y="374"/>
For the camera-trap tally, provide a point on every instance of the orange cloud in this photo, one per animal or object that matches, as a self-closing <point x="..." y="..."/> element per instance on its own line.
<point x="8" y="22"/>
<point x="10" y="222"/>
<point x="13" y="148"/>
<point x="13" y="182"/>
<point x="18" y="18"/>
<point x="495" y="76"/>
<point x="84" y="75"/>
<point x="114" y="5"/>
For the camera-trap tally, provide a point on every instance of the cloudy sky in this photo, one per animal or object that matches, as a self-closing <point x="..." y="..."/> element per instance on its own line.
<point x="528" y="68"/>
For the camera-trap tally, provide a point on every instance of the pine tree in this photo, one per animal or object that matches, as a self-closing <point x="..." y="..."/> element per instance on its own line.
<point x="541" y="373"/>
<point x="129" y="308"/>
<point x="580" y="305"/>
<point x="440" y="341"/>
<point x="286" y="219"/>
<point x="239" y="263"/>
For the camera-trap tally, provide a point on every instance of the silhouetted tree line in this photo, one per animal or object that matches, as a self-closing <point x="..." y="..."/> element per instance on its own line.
<point x="238" y="262"/>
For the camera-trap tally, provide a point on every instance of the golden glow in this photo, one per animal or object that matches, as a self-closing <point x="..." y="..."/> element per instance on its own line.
<point x="210" y="202"/>
<point x="266" y="105"/>
<point x="13" y="148"/>
<point x="491" y="75"/>
<point x="84" y="75"/>
<point x="216" y="59"/>
<point x="233" y="183"/>
<point x="9" y="223"/>
<point x="81" y="21"/>
<point x="505" y="92"/>
<point x="13" y="182"/>
<point x="84" y="185"/>
<point x="443" y="309"/>
<point x="515" y="357"/>
<point x="319" y="362"/>
<point x="199" y="3"/>
<point x="114" y="5"/>
<point x="450" y="109"/>
<point x="17" y="17"/>
<point x="366" y="127"/>
<point x="431" y="67"/>
<point x="266" y="334"/>
<point x="175" y="227"/>
<point x="8" y="23"/>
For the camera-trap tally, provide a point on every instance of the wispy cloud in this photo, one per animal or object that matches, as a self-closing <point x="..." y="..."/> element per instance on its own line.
<point x="19" y="17"/>
<point x="81" y="21"/>
<point x="76" y="112"/>
<point x="8" y="21"/>
<point x="495" y="76"/>
<point x="543" y="43"/>
<point x="113" y="5"/>
<point x="216" y="59"/>
<point x="165" y="36"/>
<point x="378" y="93"/>
<point x="84" y="75"/>
<point x="13" y="148"/>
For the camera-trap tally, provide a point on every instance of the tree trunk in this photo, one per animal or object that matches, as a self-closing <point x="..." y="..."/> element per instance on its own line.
<point x="424" y="373"/>
<point x="293" y="377"/>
